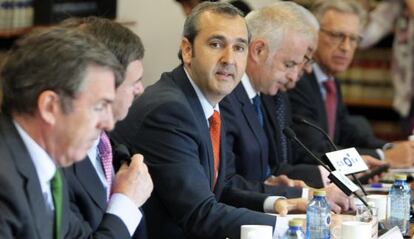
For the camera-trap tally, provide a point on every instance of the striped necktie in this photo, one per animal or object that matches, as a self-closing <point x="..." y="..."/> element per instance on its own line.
<point x="105" y="155"/>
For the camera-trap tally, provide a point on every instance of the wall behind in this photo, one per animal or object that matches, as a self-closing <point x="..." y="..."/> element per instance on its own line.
<point x="159" y="24"/>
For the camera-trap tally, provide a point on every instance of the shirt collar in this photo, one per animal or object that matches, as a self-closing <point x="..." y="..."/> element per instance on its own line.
<point x="319" y="74"/>
<point x="44" y="165"/>
<point x="92" y="152"/>
<point x="208" y="109"/>
<point x="247" y="85"/>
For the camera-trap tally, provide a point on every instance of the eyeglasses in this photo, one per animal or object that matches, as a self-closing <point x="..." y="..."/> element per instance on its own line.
<point x="339" y="37"/>
<point x="308" y="60"/>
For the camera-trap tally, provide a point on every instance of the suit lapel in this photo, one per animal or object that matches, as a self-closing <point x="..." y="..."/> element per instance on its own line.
<point x="25" y="167"/>
<point x="316" y="88"/>
<point x="272" y="131"/>
<point x="91" y="182"/>
<point x="181" y="79"/>
<point x="251" y="117"/>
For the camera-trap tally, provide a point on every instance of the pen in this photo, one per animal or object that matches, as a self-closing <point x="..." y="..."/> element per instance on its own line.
<point x="376" y="185"/>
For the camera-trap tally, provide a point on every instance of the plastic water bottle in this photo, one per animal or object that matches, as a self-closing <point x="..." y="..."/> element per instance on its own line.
<point x="399" y="197"/>
<point x="318" y="217"/>
<point x="295" y="230"/>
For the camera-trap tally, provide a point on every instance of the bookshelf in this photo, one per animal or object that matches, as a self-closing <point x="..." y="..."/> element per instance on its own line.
<point x="367" y="89"/>
<point x="18" y="17"/>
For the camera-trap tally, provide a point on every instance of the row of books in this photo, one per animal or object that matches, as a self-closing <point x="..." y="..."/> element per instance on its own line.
<point x="368" y="79"/>
<point x="15" y="14"/>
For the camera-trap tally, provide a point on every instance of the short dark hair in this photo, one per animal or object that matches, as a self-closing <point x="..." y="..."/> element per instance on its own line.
<point x="55" y="59"/>
<point x="191" y="24"/>
<point x="121" y="41"/>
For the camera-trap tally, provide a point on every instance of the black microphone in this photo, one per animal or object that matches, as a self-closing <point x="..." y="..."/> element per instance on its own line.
<point x="290" y="134"/>
<point x="300" y="120"/>
<point x="340" y="183"/>
<point x="120" y="155"/>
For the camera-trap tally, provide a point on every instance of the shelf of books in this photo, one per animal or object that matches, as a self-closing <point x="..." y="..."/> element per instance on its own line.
<point x="367" y="90"/>
<point x="368" y="80"/>
<point x="15" y="17"/>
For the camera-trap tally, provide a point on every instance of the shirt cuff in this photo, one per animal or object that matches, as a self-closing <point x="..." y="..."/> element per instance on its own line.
<point x="282" y="225"/>
<point x="380" y="153"/>
<point x="324" y="175"/>
<point x="121" y="206"/>
<point x="305" y="193"/>
<point x="268" y="205"/>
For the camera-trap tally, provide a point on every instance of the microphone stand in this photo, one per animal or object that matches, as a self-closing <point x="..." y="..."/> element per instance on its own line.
<point x="292" y="136"/>
<point x="304" y="121"/>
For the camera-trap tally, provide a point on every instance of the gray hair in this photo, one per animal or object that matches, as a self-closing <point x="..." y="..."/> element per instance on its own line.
<point x="191" y="24"/>
<point x="55" y="59"/>
<point x="320" y="7"/>
<point x="121" y="41"/>
<point x="274" y="21"/>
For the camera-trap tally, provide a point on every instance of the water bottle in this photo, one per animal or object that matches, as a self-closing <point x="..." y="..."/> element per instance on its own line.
<point x="295" y="230"/>
<point x="399" y="197"/>
<point x="318" y="217"/>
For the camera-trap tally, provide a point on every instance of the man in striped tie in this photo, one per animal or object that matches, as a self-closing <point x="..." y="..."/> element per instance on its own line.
<point x="92" y="182"/>
<point x="58" y="86"/>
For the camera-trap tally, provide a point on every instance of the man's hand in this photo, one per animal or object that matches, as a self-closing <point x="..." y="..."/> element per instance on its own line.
<point x="372" y="162"/>
<point x="337" y="199"/>
<point x="134" y="181"/>
<point x="401" y="155"/>
<point x="284" y="180"/>
<point x="283" y="206"/>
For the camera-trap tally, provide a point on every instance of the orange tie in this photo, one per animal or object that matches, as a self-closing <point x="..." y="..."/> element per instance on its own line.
<point x="215" y="126"/>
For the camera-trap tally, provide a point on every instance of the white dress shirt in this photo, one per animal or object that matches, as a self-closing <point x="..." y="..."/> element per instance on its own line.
<point x="119" y="205"/>
<point x="281" y="222"/>
<point x="44" y="165"/>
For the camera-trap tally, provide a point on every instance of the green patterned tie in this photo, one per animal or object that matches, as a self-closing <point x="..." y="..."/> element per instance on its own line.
<point x="56" y="185"/>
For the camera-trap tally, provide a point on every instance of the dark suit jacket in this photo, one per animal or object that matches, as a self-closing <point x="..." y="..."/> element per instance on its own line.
<point x="23" y="209"/>
<point x="307" y="102"/>
<point x="253" y="148"/>
<point x="87" y="195"/>
<point x="168" y="126"/>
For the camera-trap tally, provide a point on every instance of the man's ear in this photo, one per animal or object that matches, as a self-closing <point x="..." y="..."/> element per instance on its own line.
<point x="48" y="106"/>
<point x="186" y="51"/>
<point x="258" y="50"/>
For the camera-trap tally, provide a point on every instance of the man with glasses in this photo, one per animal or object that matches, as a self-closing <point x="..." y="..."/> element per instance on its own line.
<point x="317" y="96"/>
<point x="282" y="34"/>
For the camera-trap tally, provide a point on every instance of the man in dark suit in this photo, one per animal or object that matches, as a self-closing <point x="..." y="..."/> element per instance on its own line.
<point x="250" y="111"/>
<point x="58" y="85"/>
<point x="317" y="96"/>
<point x="177" y="126"/>
<point x="89" y="188"/>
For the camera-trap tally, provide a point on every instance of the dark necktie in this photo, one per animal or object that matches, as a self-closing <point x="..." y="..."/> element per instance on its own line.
<point x="56" y="188"/>
<point x="330" y="105"/>
<point x="257" y="102"/>
<point x="281" y="123"/>
<point x="215" y="127"/>
<point x="105" y="155"/>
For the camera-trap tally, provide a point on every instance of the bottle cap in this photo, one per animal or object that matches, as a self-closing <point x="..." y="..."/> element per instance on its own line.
<point x="401" y="177"/>
<point x="295" y="222"/>
<point x="319" y="192"/>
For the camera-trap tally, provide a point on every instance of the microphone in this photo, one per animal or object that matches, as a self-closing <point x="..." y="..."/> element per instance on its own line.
<point x="300" y="120"/>
<point x="340" y="180"/>
<point x="290" y="134"/>
<point x="120" y="155"/>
